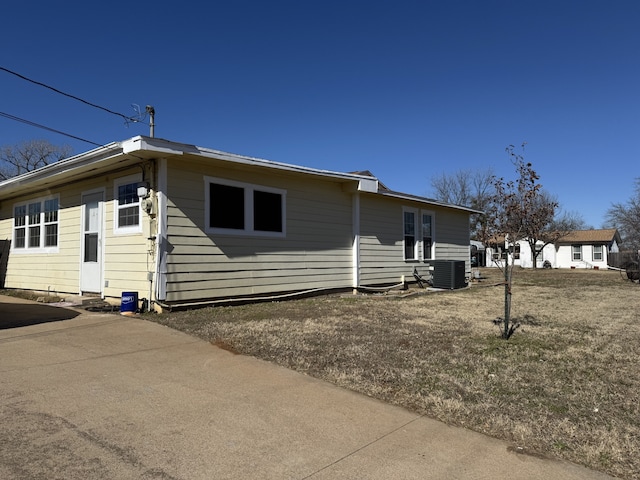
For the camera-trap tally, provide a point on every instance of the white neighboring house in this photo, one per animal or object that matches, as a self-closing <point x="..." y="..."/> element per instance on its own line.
<point x="578" y="249"/>
<point x="586" y="249"/>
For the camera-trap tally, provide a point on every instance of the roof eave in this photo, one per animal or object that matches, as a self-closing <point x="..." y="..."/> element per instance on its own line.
<point x="142" y="148"/>
<point x="58" y="171"/>
<point x="428" y="201"/>
<point x="145" y="146"/>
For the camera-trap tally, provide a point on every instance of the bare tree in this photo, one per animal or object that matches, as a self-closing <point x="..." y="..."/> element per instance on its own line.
<point x="27" y="156"/>
<point x="562" y="225"/>
<point x="546" y="226"/>
<point x="468" y="188"/>
<point x="518" y="209"/>
<point x="453" y="188"/>
<point x="569" y="221"/>
<point x="626" y="218"/>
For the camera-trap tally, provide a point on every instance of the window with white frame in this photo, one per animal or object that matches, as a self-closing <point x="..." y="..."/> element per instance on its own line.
<point x="410" y="243"/>
<point x="35" y="225"/>
<point x="427" y="235"/>
<point x="576" y="253"/>
<point x="127" y="211"/>
<point x="418" y="234"/>
<point x="597" y="253"/>
<point x="238" y="208"/>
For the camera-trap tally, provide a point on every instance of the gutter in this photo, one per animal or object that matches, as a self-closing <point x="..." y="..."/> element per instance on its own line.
<point x="63" y="166"/>
<point x="430" y="201"/>
<point x="146" y="146"/>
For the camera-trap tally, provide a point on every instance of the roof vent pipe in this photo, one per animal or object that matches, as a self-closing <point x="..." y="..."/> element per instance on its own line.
<point x="152" y="126"/>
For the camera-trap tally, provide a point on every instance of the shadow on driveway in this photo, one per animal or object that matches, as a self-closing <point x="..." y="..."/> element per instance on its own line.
<point x="20" y="314"/>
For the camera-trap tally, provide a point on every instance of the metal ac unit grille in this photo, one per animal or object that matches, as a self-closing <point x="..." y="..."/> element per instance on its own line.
<point x="449" y="274"/>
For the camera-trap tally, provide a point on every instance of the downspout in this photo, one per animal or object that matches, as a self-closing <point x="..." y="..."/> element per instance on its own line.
<point x="356" y="241"/>
<point x="160" y="268"/>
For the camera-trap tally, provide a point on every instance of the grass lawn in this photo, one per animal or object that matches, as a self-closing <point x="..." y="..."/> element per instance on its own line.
<point x="566" y="385"/>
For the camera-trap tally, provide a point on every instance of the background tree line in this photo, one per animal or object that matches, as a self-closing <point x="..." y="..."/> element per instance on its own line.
<point x="476" y="189"/>
<point x="542" y="221"/>
<point x="30" y="155"/>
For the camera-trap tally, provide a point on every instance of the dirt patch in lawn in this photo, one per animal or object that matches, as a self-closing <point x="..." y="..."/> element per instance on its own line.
<point x="567" y="384"/>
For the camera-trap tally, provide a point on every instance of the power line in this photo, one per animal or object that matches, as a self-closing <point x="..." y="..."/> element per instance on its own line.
<point x="33" y="124"/>
<point x="126" y="118"/>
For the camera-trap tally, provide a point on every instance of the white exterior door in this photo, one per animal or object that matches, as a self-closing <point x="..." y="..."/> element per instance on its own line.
<point x="91" y="250"/>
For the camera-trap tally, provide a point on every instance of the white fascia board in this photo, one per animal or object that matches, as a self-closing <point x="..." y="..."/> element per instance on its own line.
<point x="59" y="169"/>
<point x="153" y="145"/>
<point x="428" y="201"/>
<point x="140" y="145"/>
<point x="146" y="147"/>
<point x="245" y="160"/>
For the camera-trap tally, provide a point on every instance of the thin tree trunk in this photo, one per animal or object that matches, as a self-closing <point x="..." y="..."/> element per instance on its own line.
<point x="534" y="256"/>
<point x="507" y="298"/>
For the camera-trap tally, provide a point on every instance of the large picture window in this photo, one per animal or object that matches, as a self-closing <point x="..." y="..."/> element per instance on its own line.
<point x="127" y="211"/>
<point x="35" y="226"/>
<point x="244" y="209"/>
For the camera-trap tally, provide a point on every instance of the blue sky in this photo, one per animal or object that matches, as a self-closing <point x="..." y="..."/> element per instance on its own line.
<point x="406" y="89"/>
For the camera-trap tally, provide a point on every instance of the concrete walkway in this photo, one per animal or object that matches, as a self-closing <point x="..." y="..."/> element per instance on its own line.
<point x="102" y="396"/>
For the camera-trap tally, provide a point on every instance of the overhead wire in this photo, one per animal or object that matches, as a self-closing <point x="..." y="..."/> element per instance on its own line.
<point x="44" y="127"/>
<point x="125" y="117"/>
<point x="128" y="119"/>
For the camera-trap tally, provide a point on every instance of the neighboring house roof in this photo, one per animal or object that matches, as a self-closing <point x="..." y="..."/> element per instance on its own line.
<point x="591" y="236"/>
<point x="129" y="152"/>
<point x="494" y="240"/>
<point x="577" y="236"/>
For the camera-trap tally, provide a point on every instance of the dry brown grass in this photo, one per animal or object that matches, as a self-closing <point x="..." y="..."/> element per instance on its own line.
<point x="567" y="384"/>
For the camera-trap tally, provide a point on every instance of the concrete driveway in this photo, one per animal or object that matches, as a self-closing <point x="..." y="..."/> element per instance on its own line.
<point x="102" y="396"/>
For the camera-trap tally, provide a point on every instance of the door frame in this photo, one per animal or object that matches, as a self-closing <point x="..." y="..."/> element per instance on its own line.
<point x="101" y="233"/>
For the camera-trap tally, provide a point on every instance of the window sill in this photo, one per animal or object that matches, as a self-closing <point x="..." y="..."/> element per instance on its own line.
<point x="128" y="231"/>
<point x="35" y="251"/>
<point x="244" y="233"/>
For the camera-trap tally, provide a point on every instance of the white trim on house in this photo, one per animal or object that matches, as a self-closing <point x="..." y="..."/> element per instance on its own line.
<point x="128" y="229"/>
<point x="161" y="232"/>
<point x="249" y="190"/>
<point x="356" y="239"/>
<point x="423" y="200"/>
<point x="420" y="253"/>
<point x="101" y="230"/>
<point x="415" y="234"/>
<point x="41" y="225"/>
<point x="432" y="253"/>
<point x="151" y="147"/>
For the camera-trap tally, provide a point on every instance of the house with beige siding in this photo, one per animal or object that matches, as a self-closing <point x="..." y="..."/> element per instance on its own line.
<point x="182" y="225"/>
